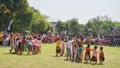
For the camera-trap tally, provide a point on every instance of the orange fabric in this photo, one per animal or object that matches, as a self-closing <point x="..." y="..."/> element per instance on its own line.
<point x="58" y="43"/>
<point x="1" y="37"/>
<point x="101" y="54"/>
<point x="80" y="41"/>
<point x="11" y="39"/>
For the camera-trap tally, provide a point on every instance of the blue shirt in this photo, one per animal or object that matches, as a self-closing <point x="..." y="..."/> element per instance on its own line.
<point x="79" y="50"/>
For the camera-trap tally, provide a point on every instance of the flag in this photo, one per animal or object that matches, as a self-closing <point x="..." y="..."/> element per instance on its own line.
<point x="9" y="26"/>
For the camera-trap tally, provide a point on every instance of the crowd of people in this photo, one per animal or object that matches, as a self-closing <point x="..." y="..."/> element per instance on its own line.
<point x="31" y="42"/>
<point x="75" y="51"/>
<point x="51" y="38"/>
<point x="5" y="37"/>
<point x="71" y="47"/>
<point x="20" y="42"/>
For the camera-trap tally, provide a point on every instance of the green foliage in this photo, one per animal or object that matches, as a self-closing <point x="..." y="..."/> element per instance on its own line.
<point x="74" y="26"/>
<point x="39" y="22"/>
<point x="25" y="18"/>
<point x="40" y="27"/>
<point x="67" y="27"/>
<point x="71" y="26"/>
<point x="4" y="14"/>
<point x="60" y="26"/>
<point x="28" y="19"/>
<point x="95" y="26"/>
<point x="100" y="25"/>
<point x="23" y="22"/>
<point x="116" y="24"/>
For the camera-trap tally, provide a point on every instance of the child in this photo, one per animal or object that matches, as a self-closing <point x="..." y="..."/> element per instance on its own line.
<point x="62" y="47"/>
<point x="39" y="46"/>
<point x="35" y="43"/>
<point x="87" y="53"/>
<point x="17" y="43"/>
<point x="12" y="43"/>
<point x="94" y="56"/>
<point x="79" y="53"/>
<point x="75" y="47"/>
<point x="58" y="44"/>
<point x="29" y="43"/>
<point x="22" y="45"/>
<point x="101" y="55"/>
<point x="18" y="46"/>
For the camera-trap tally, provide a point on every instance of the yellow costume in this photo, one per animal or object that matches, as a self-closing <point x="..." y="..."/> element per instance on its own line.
<point x="1" y="37"/>
<point x="58" y="43"/>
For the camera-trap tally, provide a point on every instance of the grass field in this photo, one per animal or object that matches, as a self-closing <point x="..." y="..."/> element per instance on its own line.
<point x="47" y="59"/>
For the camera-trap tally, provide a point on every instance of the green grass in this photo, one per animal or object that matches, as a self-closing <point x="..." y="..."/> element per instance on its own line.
<point x="47" y="59"/>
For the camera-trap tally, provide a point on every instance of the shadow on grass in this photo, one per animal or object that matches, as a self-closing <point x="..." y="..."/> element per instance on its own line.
<point x="28" y="55"/>
<point x="18" y="54"/>
<point x="68" y="60"/>
<point x="9" y="53"/>
<point x="95" y="64"/>
<point x="57" y="56"/>
<point x="100" y="64"/>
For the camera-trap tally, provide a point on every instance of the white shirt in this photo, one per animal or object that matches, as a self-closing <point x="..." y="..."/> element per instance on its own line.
<point x="70" y="44"/>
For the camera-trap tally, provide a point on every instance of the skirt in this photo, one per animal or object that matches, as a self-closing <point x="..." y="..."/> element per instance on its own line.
<point x="58" y="49"/>
<point x="102" y="58"/>
<point x="94" y="59"/>
<point x="68" y="52"/>
<point x="87" y="57"/>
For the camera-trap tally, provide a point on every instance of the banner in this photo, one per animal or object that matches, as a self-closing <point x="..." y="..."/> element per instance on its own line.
<point x="9" y="26"/>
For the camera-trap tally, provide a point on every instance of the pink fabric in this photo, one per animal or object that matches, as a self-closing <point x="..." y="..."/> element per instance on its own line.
<point x="95" y="52"/>
<point x="63" y="46"/>
<point x="35" y="42"/>
<point x="75" y="49"/>
<point x="23" y="41"/>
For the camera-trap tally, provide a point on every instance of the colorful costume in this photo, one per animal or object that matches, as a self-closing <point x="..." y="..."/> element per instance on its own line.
<point x="101" y="56"/>
<point x="87" y="54"/>
<point x="94" y="57"/>
<point x="58" y="43"/>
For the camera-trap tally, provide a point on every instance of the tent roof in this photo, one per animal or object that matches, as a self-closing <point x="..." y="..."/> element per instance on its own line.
<point x="114" y="33"/>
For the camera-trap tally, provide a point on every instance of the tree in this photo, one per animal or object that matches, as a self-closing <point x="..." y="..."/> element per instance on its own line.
<point x="98" y="25"/>
<point x="39" y="22"/>
<point x="15" y="7"/>
<point x="67" y="27"/>
<point x="116" y="24"/>
<point x="74" y="26"/>
<point x="25" y="17"/>
<point x="59" y="27"/>
<point x="4" y="11"/>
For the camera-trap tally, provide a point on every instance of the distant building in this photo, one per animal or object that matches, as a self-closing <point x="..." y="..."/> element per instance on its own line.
<point x="114" y="33"/>
<point x="53" y="24"/>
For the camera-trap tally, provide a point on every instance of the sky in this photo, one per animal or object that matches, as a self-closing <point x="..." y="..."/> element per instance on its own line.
<point x="82" y="9"/>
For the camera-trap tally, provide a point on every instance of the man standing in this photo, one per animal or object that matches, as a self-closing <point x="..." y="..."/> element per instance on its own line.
<point x="69" y="49"/>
